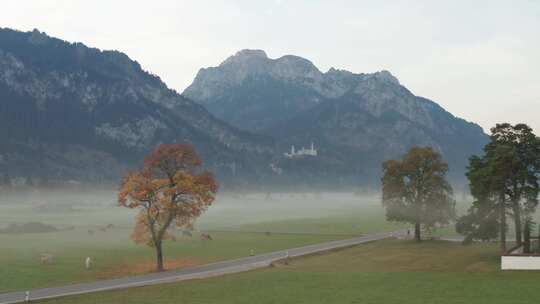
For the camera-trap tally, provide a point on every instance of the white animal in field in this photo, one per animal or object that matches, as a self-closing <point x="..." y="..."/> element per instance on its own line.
<point x="88" y="263"/>
<point x="46" y="258"/>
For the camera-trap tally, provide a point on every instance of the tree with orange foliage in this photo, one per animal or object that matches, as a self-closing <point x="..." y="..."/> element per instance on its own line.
<point x="171" y="189"/>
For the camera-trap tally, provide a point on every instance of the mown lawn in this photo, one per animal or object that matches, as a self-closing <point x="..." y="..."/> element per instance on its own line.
<point x="390" y="271"/>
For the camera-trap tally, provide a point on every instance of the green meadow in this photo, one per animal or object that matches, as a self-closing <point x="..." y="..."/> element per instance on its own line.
<point x="388" y="271"/>
<point x="237" y="226"/>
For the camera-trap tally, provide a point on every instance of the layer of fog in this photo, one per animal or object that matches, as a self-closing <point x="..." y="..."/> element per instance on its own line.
<point x="88" y="208"/>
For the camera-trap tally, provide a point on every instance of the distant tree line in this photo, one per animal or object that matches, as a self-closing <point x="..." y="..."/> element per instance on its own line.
<point x="8" y="182"/>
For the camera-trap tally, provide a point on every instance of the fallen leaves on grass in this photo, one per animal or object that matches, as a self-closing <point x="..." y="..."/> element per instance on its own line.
<point x="146" y="267"/>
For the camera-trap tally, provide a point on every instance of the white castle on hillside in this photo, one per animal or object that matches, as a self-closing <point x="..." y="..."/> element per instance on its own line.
<point x="302" y="152"/>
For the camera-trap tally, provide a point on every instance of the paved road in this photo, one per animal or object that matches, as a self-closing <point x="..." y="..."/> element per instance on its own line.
<point x="204" y="271"/>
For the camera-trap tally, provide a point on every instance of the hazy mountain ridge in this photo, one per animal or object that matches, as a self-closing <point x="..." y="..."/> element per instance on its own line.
<point x="248" y="84"/>
<point x="69" y="111"/>
<point x="64" y="104"/>
<point x="357" y="120"/>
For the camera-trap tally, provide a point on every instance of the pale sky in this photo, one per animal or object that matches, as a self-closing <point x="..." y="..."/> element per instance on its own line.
<point x="478" y="59"/>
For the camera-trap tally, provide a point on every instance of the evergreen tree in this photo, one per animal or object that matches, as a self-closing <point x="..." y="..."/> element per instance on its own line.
<point x="29" y="182"/>
<point x="503" y="181"/>
<point x="45" y="181"/>
<point x="5" y="181"/>
<point x="521" y="185"/>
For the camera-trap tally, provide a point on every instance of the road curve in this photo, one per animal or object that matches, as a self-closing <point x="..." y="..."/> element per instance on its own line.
<point x="198" y="272"/>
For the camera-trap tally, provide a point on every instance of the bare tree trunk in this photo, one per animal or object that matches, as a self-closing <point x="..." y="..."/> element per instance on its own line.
<point x="417" y="236"/>
<point x="527" y="237"/>
<point x="159" y="257"/>
<point x="502" y="219"/>
<point x="517" y="222"/>
<point x="159" y="237"/>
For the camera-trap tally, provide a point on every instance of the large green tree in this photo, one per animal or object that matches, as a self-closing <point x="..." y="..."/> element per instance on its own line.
<point x="487" y="179"/>
<point x="415" y="190"/>
<point x="522" y="185"/>
<point x="503" y="181"/>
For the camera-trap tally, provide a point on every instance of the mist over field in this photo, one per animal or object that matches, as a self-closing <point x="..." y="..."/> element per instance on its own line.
<point x="83" y="208"/>
<point x="241" y="152"/>
<point x="70" y="224"/>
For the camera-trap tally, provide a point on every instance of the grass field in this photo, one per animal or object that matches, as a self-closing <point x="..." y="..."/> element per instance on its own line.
<point x="390" y="271"/>
<point x="381" y="272"/>
<point x="310" y="219"/>
<point x="114" y="255"/>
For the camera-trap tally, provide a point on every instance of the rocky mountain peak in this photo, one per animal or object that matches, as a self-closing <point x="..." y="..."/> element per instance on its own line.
<point x="36" y="37"/>
<point x="290" y="66"/>
<point x="334" y="71"/>
<point x="386" y="76"/>
<point x="256" y="63"/>
<point x="244" y="56"/>
<point x="239" y="82"/>
<point x="250" y="65"/>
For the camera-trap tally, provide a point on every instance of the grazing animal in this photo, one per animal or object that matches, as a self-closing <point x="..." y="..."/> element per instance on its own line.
<point x="88" y="263"/>
<point x="46" y="258"/>
<point x="173" y="238"/>
<point x="109" y="226"/>
<point x="287" y="258"/>
<point x="187" y="233"/>
<point x="91" y="232"/>
<point x="102" y="229"/>
<point x="267" y="233"/>
<point x="206" y="236"/>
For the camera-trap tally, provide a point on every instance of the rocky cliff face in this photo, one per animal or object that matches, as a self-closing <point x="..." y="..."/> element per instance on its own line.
<point x="67" y="110"/>
<point x="356" y="120"/>
<point x="254" y="92"/>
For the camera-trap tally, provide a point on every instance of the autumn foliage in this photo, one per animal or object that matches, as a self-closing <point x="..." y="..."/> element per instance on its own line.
<point x="415" y="190"/>
<point x="171" y="190"/>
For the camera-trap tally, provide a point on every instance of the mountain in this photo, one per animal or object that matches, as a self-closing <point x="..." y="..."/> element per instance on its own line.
<point x="355" y="120"/>
<point x="68" y="111"/>
<point x="71" y="111"/>
<point x="254" y="92"/>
